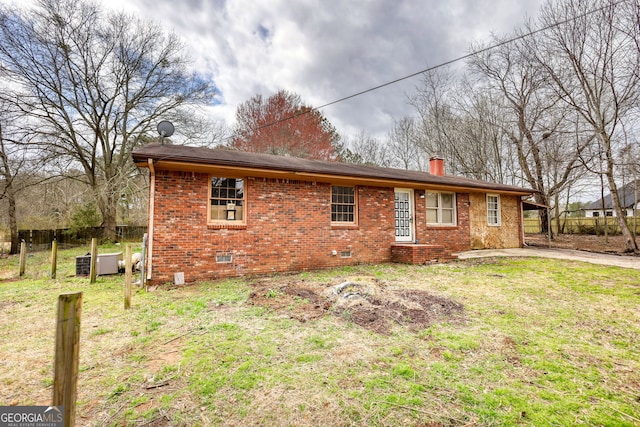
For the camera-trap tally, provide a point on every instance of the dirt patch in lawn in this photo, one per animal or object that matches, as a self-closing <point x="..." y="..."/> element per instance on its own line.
<point x="367" y="302"/>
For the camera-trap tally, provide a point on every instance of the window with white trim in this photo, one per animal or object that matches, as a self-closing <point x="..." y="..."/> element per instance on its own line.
<point x="441" y="208"/>
<point x="493" y="209"/>
<point x="343" y="204"/>
<point x="226" y="201"/>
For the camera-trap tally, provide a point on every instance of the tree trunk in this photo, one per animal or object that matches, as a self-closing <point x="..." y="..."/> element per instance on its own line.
<point x="631" y="245"/>
<point x="557" y="204"/>
<point x="109" y="223"/>
<point x="13" y="223"/>
<point x="604" y="211"/>
<point x="545" y="221"/>
<point x="107" y="207"/>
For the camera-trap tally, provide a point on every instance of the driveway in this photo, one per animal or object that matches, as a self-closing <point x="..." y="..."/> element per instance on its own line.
<point x="592" y="257"/>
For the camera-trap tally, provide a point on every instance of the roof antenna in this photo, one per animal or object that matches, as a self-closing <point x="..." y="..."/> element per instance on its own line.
<point x="165" y="128"/>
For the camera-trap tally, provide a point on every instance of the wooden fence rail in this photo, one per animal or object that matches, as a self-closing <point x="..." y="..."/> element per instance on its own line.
<point x="583" y="225"/>
<point x="40" y="240"/>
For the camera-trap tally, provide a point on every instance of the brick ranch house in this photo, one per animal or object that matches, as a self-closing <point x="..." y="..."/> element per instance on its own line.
<point x="217" y="213"/>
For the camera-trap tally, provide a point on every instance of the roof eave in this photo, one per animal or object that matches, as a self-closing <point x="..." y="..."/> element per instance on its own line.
<point x="234" y="169"/>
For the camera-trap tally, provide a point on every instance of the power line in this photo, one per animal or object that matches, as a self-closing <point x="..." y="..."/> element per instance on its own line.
<point x="435" y="67"/>
<point x="469" y="55"/>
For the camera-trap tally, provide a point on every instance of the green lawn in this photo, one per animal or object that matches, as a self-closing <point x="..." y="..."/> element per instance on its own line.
<point x="538" y="343"/>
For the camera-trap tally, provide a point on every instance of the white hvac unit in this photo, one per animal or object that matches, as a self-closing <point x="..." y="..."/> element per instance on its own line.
<point x="108" y="263"/>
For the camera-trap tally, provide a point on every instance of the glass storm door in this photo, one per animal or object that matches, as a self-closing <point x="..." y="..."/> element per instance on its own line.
<point x="404" y="215"/>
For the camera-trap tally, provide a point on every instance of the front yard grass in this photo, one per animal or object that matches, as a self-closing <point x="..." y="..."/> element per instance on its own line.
<point x="538" y="343"/>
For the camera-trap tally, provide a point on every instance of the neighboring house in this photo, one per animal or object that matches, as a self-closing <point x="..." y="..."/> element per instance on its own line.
<point x="218" y="213"/>
<point x="629" y="199"/>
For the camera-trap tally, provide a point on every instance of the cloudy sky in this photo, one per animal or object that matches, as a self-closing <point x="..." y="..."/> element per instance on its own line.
<point x="326" y="50"/>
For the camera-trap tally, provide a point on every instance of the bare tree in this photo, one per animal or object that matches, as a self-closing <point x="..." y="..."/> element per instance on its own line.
<point x="11" y="161"/>
<point x="483" y="148"/>
<point x="403" y="145"/>
<point x="593" y="61"/>
<point x="365" y="149"/>
<point x="437" y="119"/>
<point x="18" y="168"/>
<point x="532" y="118"/>
<point x="92" y="84"/>
<point x="630" y="156"/>
<point x="462" y="120"/>
<point x="200" y="130"/>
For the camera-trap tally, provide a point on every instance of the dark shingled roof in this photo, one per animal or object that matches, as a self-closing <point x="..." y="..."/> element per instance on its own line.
<point x="628" y="195"/>
<point x="223" y="157"/>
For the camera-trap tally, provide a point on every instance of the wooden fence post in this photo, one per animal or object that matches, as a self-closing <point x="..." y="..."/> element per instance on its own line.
<point x="67" y="353"/>
<point x="94" y="260"/>
<point x="54" y="258"/>
<point x="23" y="257"/>
<point x="127" y="277"/>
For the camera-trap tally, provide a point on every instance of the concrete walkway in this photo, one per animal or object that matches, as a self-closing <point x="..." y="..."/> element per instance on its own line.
<point x="592" y="257"/>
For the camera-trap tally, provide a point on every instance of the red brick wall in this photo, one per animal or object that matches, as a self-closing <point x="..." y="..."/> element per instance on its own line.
<point x="454" y="239"/>
<point x="419" y="254"/>
<point x="288" y="227"/>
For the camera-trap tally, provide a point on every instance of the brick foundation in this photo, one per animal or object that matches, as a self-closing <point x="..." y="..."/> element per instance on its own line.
<point x="420" y="254"/>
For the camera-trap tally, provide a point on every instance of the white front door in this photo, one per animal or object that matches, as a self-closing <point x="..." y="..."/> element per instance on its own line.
<point x="404" y="215"/>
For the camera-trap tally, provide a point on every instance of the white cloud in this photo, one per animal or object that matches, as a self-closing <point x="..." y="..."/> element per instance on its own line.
<point x="329" y="49"/>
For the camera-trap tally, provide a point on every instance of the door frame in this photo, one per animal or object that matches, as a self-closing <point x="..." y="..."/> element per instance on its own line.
<point x="412" y="229"/>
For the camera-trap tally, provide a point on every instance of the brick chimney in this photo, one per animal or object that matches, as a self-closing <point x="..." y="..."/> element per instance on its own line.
<point x="436" y="165"/>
